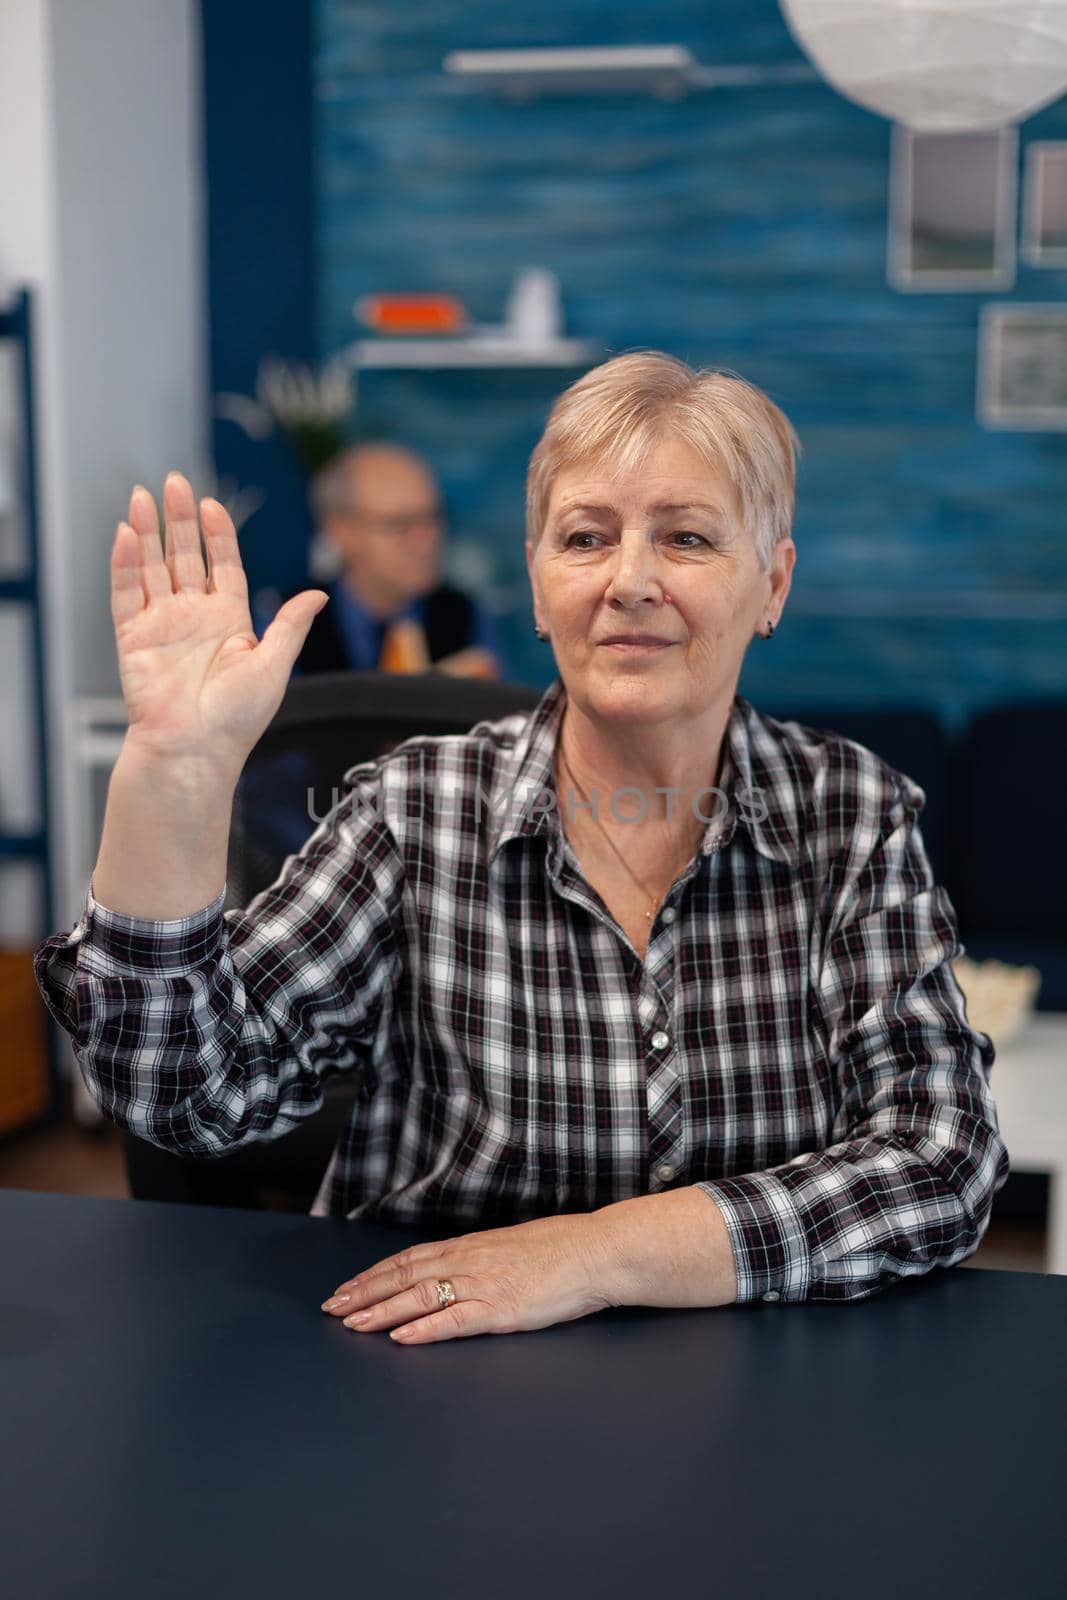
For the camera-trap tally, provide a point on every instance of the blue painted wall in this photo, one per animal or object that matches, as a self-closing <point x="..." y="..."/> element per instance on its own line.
<point x="742" y="228"/>
<point x="260" y="252"/>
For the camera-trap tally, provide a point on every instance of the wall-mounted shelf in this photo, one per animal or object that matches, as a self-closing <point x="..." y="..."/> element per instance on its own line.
<point x="661" y="69"/>
<point x="666" y="70"/>
<point x="531" y="335"/>
<point x="469" y="351"/>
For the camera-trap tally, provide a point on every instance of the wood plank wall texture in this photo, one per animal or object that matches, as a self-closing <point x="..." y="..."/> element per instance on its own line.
<point x="743" y="228"/>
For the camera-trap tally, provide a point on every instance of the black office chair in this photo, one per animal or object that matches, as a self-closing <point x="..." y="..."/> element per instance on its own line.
<point x="1008" y="859"/>
<point x="326" y="724"/>
<point x="913" y="741"/>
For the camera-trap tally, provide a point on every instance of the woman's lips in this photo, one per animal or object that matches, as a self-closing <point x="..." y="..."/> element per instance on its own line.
<point x="636" y="648"/>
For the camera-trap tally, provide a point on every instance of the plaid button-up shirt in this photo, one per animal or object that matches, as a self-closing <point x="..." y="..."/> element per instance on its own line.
<point x="794" y="1042"/>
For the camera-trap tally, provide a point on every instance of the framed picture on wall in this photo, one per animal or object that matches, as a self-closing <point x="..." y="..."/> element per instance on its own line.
<point x="1022" y="366"/>
<point x="952" y="209"/>
<point x="1044" y="229"/>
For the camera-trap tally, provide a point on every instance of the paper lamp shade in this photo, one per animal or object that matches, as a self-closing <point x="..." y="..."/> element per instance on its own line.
<point x="938" y="64"/>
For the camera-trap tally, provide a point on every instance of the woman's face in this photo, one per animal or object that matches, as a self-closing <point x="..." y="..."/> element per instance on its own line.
<point x="658" y="551"/>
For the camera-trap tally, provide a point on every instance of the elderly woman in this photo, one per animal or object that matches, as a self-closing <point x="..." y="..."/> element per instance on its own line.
<point x="647" y="995"/>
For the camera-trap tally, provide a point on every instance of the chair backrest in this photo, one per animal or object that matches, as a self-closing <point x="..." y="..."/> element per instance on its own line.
<point x="327" y="723"/>
<point x="1009" y="858"/>
<point x="911" y="740"/>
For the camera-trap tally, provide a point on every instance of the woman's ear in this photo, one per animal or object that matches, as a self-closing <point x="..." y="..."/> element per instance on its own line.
<point x="781" y="573"/>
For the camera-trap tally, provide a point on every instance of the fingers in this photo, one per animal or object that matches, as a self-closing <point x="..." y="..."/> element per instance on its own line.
<point x="184" y="561"/>
<point x="127" y="592"/>
<point x="155" y="579"/>
<point x="225" y="568"/>
<point x="284" y="639"/>
<point x="407" y="1277"/>
<point x="183" y="568"/>
<point x="421" y="1303"/>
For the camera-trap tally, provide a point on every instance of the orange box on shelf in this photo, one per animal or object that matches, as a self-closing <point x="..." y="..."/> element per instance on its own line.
<point x="412" y="313"/>
<point x="25" y="1089"/>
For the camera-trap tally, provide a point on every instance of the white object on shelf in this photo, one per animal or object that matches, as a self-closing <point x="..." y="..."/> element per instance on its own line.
<point x="534" y="315"/>
<point x="938" y="64"/>
<point x="1029" y="1084"/>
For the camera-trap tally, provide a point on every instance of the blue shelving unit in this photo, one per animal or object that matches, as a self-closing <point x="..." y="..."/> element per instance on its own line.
<point x="16" y="323"/>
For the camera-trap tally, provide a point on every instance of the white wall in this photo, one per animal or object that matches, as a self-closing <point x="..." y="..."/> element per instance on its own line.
<point x="102" y="215"/>
<point x="26" y="248"/>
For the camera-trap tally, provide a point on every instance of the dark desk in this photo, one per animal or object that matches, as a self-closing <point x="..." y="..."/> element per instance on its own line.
<point x="179" y="1418"/>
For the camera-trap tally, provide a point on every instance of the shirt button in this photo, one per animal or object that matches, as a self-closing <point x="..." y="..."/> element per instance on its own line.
<point x="772" y="1294"/>
<point x="668" y="913"/>
<point x="660" y="1040"/>
<point x="666" y="1171"/>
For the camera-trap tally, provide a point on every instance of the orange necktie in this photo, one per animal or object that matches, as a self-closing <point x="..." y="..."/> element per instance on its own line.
<point x="404" y="648"/>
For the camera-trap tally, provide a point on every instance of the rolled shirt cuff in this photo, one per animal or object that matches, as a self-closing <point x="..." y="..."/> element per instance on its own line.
<point x="116" y="943"/>
<point x="770" y="1246"/>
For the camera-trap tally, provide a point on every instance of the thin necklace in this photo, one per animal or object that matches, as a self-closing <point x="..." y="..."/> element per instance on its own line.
<point x="653" y="902"/>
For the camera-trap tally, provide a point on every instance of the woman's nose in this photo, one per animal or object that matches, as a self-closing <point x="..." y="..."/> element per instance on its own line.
<point x="635" y="572"/>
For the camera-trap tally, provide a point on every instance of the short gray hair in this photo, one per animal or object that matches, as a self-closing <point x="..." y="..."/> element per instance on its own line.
<point x="621" y="409"/>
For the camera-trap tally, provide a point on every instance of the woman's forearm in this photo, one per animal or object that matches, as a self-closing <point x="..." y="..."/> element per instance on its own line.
<point x="669" y="1249"/>
<point x="163" y="849"/>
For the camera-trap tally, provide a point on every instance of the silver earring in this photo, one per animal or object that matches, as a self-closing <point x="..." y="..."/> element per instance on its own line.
<point x="543" y="637"/>
<point x="770" y="630"/>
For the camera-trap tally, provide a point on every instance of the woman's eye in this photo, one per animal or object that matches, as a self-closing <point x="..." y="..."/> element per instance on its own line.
<point x="680" y="534"/>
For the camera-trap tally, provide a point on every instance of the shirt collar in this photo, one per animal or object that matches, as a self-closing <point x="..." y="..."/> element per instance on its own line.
<point x="756" y="776"/>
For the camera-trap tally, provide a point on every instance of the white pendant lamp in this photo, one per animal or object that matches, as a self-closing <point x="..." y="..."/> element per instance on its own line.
<point x="938" y="64"/>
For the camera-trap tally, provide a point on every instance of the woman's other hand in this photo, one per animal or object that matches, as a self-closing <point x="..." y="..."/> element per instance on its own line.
<point x="196" y="681"/>
<point x="507" y="1280"/>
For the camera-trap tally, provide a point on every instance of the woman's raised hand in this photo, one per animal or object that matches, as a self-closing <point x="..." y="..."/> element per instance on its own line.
<point x="196" y="681"/>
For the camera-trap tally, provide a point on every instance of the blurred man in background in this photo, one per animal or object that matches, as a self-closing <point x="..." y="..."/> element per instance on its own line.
<point x="379" y="508"/>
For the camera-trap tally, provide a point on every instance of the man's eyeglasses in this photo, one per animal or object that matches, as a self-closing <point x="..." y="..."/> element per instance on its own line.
<point x="401" y="522"/>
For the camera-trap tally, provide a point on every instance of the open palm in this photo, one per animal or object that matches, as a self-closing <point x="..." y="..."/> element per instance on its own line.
<point x="196" y="681"/>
